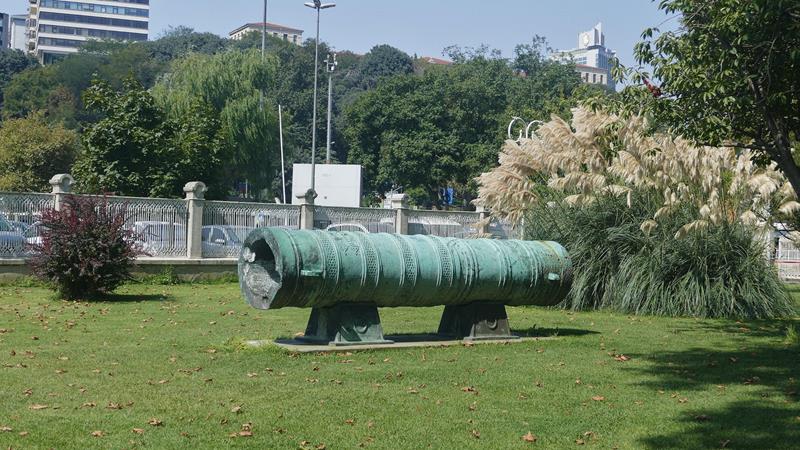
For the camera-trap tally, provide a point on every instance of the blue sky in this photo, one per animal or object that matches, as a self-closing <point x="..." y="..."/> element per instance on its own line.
<point x="425" y="27"/>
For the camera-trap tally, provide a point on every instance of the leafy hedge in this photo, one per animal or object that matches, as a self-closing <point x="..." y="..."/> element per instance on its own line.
<point x="86" y="250"/>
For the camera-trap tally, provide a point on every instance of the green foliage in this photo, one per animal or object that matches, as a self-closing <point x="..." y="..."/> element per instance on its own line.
<point x="32" y="151"/>
<point x="792" y="335"/>
<point x="231" y="84"/>
<point x="180" y="41"/>
<point x="137" y="150"/>
<point x="721" y="272"/>
<point x="732" y="68"/>
<point x="167" y="277"/>
<point x="86" y="250"/>
<point x="440" y="128"/>
<point x="382" y="61"/>
<point x="12" y="62"/>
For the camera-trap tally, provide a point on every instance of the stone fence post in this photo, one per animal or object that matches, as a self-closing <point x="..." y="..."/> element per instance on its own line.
<point x="62" y="186"/>
<point x="399" y="203"/>
<point x="484" y="218"/>
<point x="307" y="210"/>
<point x="195" y="197"/>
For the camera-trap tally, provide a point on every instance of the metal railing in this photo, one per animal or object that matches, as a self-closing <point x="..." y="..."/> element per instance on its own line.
<point x="19" y="217"/>
<point x="194" y="228"/>
<point x="444" y="223"/>
<point x="160" y="225"/>
<point x="227" y="224"/>
<point x="787" y="259"/>
<point x="372" y="220"/>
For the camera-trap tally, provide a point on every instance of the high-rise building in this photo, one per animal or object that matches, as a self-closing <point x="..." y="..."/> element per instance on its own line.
<point x="288" y="34"/>
<point x="5" y="31"/>
<point x="58" y="27"/>
<point x="18" y="32"/>
<point x="592" y="58"/>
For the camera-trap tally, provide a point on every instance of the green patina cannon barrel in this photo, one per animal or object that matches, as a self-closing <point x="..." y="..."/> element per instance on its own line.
<point x="323" y="270"/>
<point x="280" y="268"/>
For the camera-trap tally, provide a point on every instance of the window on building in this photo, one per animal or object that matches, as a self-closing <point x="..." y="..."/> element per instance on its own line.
<point x="601" y="79"/>
<point x="285" y="37"/>
<point x="594" y="78"/>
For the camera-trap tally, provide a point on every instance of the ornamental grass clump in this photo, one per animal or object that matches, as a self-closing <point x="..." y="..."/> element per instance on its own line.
<point x="85" y="250"/>
<point x="653" y="224"/>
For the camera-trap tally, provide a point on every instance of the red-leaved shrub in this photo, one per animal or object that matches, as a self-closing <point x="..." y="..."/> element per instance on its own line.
<point x="85" y="249"/>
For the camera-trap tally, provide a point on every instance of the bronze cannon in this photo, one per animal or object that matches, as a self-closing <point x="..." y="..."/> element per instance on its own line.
<point x="345" y="276"/>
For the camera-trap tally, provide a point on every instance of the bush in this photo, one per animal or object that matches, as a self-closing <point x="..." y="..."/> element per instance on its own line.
<point x="86" y="250"/>
<point x="718" y="272"/>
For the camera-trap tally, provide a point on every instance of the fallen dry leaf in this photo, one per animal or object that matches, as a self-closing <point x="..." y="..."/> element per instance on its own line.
<point x="350" y="422"/>
<point x="476" y="434"/>
<point x="37" y="407"/>
<point x="98" y="433"/>
<point x="236" y="409"/>
<point x="580" y="441"/>
<point x="470" y="389"/>
<point x="112" y="405"/>
<point x="598" y="398"/>
<point x="89" y="405"/>
<point x="155" y="422"/>
<point x="621" y="358"/>
<point x="23" y="433"/>
<point x="529" y="437"/>
<point x="5" y="429"/>
<point x="138" y="430"/>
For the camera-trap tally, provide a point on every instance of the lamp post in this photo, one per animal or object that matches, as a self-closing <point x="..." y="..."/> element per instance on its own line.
<point x="318" y="5"/>
<point x="331" y="65"/>
<point x="264" y="33"/>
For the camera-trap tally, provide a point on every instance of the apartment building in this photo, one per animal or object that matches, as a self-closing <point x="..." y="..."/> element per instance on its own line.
<point x="288" y="34"/>
<point x="57" y="27"/>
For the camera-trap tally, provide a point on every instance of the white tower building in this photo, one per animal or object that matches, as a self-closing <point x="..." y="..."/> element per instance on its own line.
<point x="591" y="57"/>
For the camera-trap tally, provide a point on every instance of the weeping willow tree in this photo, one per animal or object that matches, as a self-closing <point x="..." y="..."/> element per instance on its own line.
<point x="654" y="224"/>
<point x="236" y="85"/>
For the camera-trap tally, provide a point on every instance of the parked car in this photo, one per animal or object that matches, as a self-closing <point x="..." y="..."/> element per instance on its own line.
<point x="158" y="238"/>
<point x="33" y="234"/>
<point x="221" y="241"/>
<point x="12" y="243"/>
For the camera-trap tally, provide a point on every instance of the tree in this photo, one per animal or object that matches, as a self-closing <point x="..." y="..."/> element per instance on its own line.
<point x="137" y="150"/>
<point x="181" y="41"/>
<point x="32" y="151"/>
<point x="380" y="62"/>
<point x="440" y="128"/>
<point x="730" y="75"/>
<point x="12" y="62"/>
<point x="231" y="84"/>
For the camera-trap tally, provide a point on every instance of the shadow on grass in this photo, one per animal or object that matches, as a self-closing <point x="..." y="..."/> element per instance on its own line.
<point x="746" y="424"/>
<point x="551" y="332"/>
<point x="134" y="298"/>
<point x="765" y="414"/>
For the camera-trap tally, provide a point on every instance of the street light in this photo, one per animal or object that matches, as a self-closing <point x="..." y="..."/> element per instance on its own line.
<point x="318" y="5"/>
<point x="331" y="64"/>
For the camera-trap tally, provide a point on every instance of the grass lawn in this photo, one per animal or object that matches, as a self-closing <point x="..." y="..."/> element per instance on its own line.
<point x="163" y="367"/>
